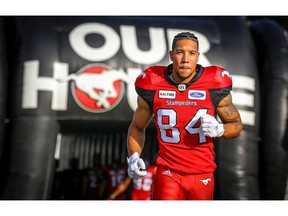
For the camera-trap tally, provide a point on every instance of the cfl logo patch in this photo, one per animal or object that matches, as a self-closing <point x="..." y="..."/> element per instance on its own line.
<point x="205" y="181"/>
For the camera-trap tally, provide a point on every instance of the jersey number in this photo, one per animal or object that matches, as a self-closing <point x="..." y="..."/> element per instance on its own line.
<point x="167" y="120"/>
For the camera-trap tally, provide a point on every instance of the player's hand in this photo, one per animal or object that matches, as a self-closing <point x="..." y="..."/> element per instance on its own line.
<point x="136" y="167"/>
<point x="111" y="197"/>
<point x="211" y="127"/>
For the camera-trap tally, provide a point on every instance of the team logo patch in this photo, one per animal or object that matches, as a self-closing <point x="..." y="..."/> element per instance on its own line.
<point x="225" y="73"/>
<point x="181" y="87"/>
<point x="196" y="94"/>
<point x="97" y="88"/>
<point x="167" y="94"/>
<point x="205" y="181"/>
<point x="142" y="75"/>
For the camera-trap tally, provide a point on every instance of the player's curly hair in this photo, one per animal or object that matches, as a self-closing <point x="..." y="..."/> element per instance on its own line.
<point x="184" y="35"/>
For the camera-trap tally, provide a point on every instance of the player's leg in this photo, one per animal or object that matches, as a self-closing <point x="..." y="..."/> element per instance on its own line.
<point x="203" y="187"/>
<point x="166" y="186"/>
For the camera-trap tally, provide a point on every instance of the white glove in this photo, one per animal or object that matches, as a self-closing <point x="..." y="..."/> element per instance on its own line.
<point x="136" y="167"/>
<point x="211" y="127"/>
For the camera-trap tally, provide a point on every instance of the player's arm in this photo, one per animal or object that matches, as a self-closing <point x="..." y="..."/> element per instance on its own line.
<point x="136" y="131"/>
<point x="230" y="117"/>
<point x="136" y="138"/>
<point x="120" y="189"/>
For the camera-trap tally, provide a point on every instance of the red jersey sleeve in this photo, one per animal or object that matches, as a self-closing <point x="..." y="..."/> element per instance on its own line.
<point x="220" y="78"/>
<point x="150" y="77"/>
<point x="220" y="83"/>
<point x="146" y="83"/>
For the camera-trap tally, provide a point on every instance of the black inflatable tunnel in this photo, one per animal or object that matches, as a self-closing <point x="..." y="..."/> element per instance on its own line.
<point x="237" y="159"/>
<point x="272" y="50"/>
<point x="285" y="140"/>
<point x="3" y="82"/>
<point x="30" y="156"/>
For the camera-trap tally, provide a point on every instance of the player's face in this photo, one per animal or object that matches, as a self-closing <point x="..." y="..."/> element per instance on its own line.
<point x="184" y="57"/>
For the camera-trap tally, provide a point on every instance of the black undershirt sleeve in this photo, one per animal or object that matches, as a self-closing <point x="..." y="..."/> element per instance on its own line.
<point x="218" y="94"/>
<point x="147" y="95"/>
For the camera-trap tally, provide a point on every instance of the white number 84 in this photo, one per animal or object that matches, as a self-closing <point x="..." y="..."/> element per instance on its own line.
<point x="171" y="116"/>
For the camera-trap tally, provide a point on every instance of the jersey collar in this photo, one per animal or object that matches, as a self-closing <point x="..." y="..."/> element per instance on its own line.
<point x="182" y="87"/>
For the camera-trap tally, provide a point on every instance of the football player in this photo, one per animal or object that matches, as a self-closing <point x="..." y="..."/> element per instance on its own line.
<point x="185" y="100"/>
<point x="141" y="188"/>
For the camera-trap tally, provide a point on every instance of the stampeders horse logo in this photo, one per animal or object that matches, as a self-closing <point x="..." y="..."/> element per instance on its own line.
<point x="97" y="88"/>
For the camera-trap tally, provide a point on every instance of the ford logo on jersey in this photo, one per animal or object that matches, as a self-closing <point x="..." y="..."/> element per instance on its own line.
<point x="197" y="94"/>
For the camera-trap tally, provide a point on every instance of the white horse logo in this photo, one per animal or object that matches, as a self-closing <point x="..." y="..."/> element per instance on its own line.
<point x="225" y="73"/>
<point x="205" y="181"/>
<point x="103" y="82"/>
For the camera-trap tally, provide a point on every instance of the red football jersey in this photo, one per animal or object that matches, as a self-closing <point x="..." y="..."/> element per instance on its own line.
<point x="177" y="109"/>
<point x="142" y="187"/>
